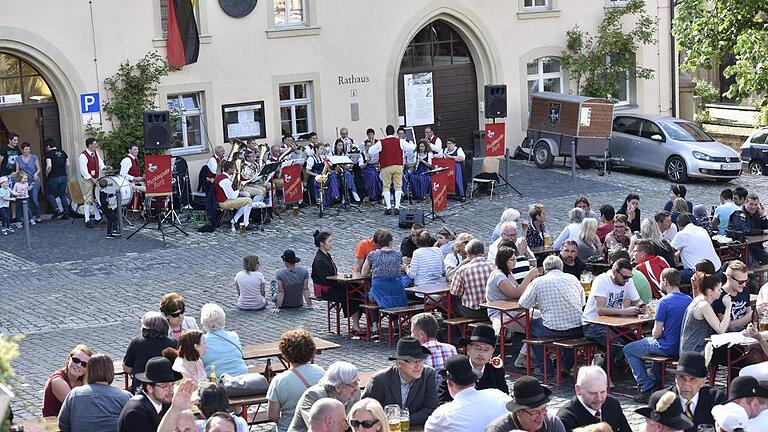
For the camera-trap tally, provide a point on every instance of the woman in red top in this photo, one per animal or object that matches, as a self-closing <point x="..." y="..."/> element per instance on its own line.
<point x="63" y="380"/>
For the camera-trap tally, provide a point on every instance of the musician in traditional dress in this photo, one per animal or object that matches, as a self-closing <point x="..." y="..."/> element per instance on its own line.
<point x="457" y="154"/>
<point x="345" y="140"/>
<point x="229" y="199"/>
<point x="248" y="178"/>
<point x="252" y="146"/>
<point x="130" y="170"/>
<point x="409" y="158"/>
<point x="435" y="142"/>
<point x="420" y="182"/>
<point x="345" y="172"/>
<point x="90" y="166"/>
<point x="214" y="162"/>
<point x="315" y="165"/>
<point x="390" y="151"/>
<point x="366" y="174"/>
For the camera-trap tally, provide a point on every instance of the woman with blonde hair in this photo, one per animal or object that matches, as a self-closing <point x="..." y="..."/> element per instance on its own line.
<point x="588" y="241"/>
<point x="649" y="229"/>
<point x="368" y="415"/>
<point x="456" y="258"/>
<point x="679" y="207"/>
<point x="61" y="382"/>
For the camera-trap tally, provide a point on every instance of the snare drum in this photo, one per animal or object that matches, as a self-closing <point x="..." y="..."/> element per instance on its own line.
<point x="115" y="182"/>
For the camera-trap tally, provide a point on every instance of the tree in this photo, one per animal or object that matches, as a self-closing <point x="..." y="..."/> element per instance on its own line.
<point x="710" y="30"/>
<point x="598" y="63"/>
<point x="9" y="351"/>
<point x="131" y="91"/>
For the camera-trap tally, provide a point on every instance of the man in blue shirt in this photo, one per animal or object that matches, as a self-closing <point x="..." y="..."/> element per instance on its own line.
<point x="723" y="211"/>
<point x="665" y="339"/>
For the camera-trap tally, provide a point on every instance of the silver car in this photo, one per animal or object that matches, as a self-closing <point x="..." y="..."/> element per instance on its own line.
<point x="675" y="147"/>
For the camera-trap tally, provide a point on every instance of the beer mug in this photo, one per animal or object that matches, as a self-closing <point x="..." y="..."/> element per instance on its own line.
<point x="393" y="417"/>
<point x="547" y="240"/>
<point x="763" y="322"/>
<point x="405" y="420"/>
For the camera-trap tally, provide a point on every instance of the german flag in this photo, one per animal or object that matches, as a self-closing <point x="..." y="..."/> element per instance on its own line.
<point x="183" y="40"/>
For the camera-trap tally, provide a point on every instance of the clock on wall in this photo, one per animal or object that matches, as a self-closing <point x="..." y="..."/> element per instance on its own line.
<point x="237" y="8"/>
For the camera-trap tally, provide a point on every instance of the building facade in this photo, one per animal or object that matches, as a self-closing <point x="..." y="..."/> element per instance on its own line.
<point x="295" y="66"/>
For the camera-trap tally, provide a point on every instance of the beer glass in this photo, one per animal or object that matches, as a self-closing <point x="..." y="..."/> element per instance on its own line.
<point x="393" y="417"/>
<point x="405" y="420"/>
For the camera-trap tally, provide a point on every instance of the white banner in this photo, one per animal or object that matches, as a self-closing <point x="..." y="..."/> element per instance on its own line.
<point x="419" y="99"/>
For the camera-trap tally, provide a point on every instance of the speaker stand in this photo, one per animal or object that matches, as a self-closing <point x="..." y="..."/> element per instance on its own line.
<point x="159" y="217"/>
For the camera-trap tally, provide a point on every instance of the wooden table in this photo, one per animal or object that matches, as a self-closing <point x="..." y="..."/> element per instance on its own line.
<point x="440" y="290"/>
<point x="356" y="286"/>
<point x="542" y="250"/>
<point x="509" y="314"/>
<point x="272" y="349"/>
<point x="618" y="327"/>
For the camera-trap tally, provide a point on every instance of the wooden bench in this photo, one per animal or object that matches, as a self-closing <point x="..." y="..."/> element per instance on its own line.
<point x="398" y="316"/>
<point x="548" y="346"/>
<point x="477" y="324"/>
<point x="580" y="346"/>
<point x="371" y="316"/>
<point x="243" y="403"/>
<point x="461" y="322"/>
<point x="665" y="361"/>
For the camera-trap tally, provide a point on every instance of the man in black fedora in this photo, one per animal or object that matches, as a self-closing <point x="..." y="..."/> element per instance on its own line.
<point x="747" y="392"/>
<point x="528" y="409"/>
<point x="479" y="348"/>
<point x="472" y="409"/>
<point x="664" y="413"/>
<point x="143" y="412"/>
<point x="696" y="398"/>
<point x="592" y="403"/>
<point x="407" y="383"/>
<point x="292" y="284"/>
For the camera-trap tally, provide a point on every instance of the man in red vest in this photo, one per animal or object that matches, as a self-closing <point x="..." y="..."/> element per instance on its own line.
<point x="229" y="199"/>
<point x="435" y="143"/>
<point x="390" y="150"/>
<point x="90" y="166"/>
<point x="130" y="170"/>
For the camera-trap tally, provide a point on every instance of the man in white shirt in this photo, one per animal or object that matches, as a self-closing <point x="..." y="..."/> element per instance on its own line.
<point x="436" y="144"/>
<point x="130" y="170"/>
<point x="90" y="167"/>
<point x="664" y="222"/>
<point x="471" y="409"/>
<point x="229" y="199"/>
<point x="214" y="161"/>
<point x="747" y="392"/>
<point x="390" y="151"/>
<point x="509" y="232"/>
<point x="693" y="244"/>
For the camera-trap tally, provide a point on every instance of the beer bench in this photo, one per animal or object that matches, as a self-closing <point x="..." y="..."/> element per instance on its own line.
<point x="581" y="347"/>
<point x="462" y="323"/>
<point x="398" y="316"/>
<point x="549" y="348"/>
<point x="665" y="361"/>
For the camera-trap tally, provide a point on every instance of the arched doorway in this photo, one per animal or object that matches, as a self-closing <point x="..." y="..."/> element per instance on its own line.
<point x="28" y="107"/>
<point x="438" y="48"/>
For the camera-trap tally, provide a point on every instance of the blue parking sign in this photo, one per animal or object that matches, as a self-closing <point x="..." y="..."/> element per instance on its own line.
<point x="89" y="103"/>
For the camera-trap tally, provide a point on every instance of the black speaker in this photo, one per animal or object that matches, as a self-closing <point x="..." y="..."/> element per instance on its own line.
<point x="157" y="130"/>
<point x="496" y="101"/>
<point x="410" y="217"/>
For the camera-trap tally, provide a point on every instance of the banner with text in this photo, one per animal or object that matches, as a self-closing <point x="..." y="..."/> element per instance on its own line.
<point x="494" y="139"/>
<point x="449" y="163"/>
<point x="440" y="190"/>
<point x="292" y="184"/>
<point x="419" y="99"/>
<point x="158" y="174"/>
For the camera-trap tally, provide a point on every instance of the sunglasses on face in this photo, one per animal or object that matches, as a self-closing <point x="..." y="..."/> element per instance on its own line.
<point x="77" y="361"/>
<point x="177" y="314"/>
<point x="366" y="424"/>
<point x="623" y="276"/>
<point x="740" y="282"/>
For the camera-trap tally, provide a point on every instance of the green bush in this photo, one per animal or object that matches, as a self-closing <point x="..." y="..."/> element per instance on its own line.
<point x="9" y="351"/>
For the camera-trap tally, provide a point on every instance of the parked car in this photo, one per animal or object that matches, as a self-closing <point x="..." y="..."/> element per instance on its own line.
<point x="675" y="147"/>
<point x="754" y="152"/>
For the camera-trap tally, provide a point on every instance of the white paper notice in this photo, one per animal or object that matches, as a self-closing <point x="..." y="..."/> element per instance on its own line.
<point x="586" y="116"/>
<point x="419" y="99"/>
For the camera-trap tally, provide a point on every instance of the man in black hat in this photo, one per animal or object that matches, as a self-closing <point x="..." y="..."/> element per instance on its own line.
<point x="480" y="350"/>
<point x="747" y="392"/>
<point x="407" y="383"/>
<point x="471" y="409"/>
<point x="292" y="284"/>
<point x="143" y="412"/>
<point x="664" y="413"/>
<point x="528" y="409"/>
<point x="696" y="398"/>
<point x="592" y="403"/>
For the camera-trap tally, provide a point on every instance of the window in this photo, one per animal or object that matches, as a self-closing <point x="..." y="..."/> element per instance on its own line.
<point x="437" y="44"/>
<point x="189" y="130"/>
<point x="539" y="4"/>
<point x="616" y="3"/>
<point x="296" y="108"/>
<point x="627" y="125"/>
<point x="164" y="18"/>
<point x="544" y="74"/>
<point x="20" y="83"/>
<point x="624" y="83"/>
<point x="290" y="13"/>
<point x="759" y="137"/>
<point x="650" y="129"/>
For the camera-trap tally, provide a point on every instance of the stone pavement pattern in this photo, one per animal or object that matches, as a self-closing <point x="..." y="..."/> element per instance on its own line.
<point x="59" y="298"/>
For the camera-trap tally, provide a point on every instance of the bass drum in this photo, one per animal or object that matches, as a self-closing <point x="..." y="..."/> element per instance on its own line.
<point x="115" y="182"/>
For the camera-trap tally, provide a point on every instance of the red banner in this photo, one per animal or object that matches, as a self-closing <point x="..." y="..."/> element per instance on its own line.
<point x="446" y="162"/>
<point x="494" y="139"/>
<point x="158" y="174"/>
<point x="292" y="184"/>
<point x="440" y="190"/>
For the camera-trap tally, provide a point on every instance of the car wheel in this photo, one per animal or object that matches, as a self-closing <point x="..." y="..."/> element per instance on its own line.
<point x="584" y="162"/>
<point x="676" y="169"/>
<point x="756" y="168"/>
<point x="542" y="155"/>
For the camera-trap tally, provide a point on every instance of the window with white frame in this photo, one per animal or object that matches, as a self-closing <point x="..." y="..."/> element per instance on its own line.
<point x="290" y="13"/>
<point x="296" y="108"/>
<point x="624" y="83"/>
<point x="616" y="3"/>
<point x="536" y="4"/>
<point x="189" y="114"/>
<point x="544" y="74"/>
<point x="164" y="17"/>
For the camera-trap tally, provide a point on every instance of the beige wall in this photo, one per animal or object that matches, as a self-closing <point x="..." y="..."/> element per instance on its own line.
<point x="245" y="60"/>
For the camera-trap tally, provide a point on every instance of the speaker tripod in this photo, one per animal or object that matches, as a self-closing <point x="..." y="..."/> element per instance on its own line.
<point x="160" y="218"/>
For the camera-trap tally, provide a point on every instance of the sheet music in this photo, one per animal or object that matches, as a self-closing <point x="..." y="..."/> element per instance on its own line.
<point x="339" y="160"/>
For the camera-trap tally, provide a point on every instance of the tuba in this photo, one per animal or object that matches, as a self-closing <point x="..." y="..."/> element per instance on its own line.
<point x="236" y="151"/>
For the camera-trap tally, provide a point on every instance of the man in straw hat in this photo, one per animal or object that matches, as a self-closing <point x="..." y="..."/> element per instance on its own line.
<point x="528" y="409"/>
<point x="471" y="409"/>
<point x="407" y="383"/>
<point x="143" y="412"/>
<point x="664" y="413"/>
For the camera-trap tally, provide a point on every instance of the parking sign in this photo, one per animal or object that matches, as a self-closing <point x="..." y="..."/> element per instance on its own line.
<point x="89" y="103"/>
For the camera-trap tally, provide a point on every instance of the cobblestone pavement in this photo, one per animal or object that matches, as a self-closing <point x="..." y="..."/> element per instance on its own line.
<point x="58" y="297"/>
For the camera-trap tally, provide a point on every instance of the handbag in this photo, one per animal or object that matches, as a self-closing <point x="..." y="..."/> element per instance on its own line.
<point x="244" y="385"/>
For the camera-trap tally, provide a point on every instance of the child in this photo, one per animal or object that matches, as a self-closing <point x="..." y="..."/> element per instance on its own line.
<point x="21" y="192"/>
<point x="5" y="204"/>
<point x="108" y="203"/>
<point x="250" y="285"/>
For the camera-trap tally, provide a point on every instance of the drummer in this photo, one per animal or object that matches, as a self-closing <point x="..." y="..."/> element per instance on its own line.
<point x="90" y="167"/>
<point x="130" y="170"/>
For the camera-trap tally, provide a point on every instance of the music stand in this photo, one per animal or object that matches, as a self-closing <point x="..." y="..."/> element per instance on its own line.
<point x="346" y="203"/>
<point x="433" y="213"/>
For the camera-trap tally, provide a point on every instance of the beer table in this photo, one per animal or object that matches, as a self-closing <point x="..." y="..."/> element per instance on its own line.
<point x="436" y="297"/>
<point x="543" y="250"/>
<point x="508" y="312"/>
<point x="356" y="287"/>
<point x="616" y="328"/>
<point x="272" y="349"/>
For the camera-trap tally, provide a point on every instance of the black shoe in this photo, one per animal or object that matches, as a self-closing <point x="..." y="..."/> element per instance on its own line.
<point x="643" y="396"/>
<point x="65" y="217"/>
<point x="55" y="215"/>
<point x="388" y="211"/>
<point x="89" y="224"/>
<point x="397" y="211"/>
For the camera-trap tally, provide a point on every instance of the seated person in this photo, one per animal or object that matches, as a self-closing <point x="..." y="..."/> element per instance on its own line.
<point x="213" y="402"/>
<point x="724" y="211"/>
<point x="189" y="361"/>
<point x="534" y="235"/>
<point x="426" y="267"/>
<point x="383" y="265"/>
<point x="735" y="286"/>
<point x="424" y="329"/>
<point x="750" y="219"/>
<point x="143" y="412"/>
<point x="619" y="235"/>
<point x="607" y="214"/>
<point x="569" y="254"/>
<point x="458" y="255"/>
<point x="61" y="382"/>
<point x="571" y="231"/>
<point x="700" y="320"/>
<point x="444" y="239"/>
<point x="324" y="267"/>
<point x="664" y="413"/>
<point x="757" y="370"/>
<point x="292" y="284"/>
<point x="696" y="398"/>
<point x="408" y="378"/>
<point x="509" y="233"/>
<point x="363" y="248"/>
<point x="678" y="191"/>
<point x="468" y="284"/>
<point x="408" y="244"/>
<point x="588" y="242"/>
<point x="223" y="353"/>
<point x="153" y="340"/>
<point x="693" y="244"/>
<point x="340" y="382"/>
<point x="508" y="215"/>
<point x="479" y="348"/>
<point x="649" y="230"/>
<point x="250" y="285"/>
<point x="582" y="202"/>
<point x="173" y="306"/>
<point x="528" y="409"/>
<point x="651" y="266"/>
<point x="229" y="199"/>
<point x="592" y="403"/>
<point x="668" y="229"/>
